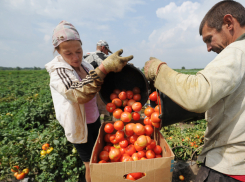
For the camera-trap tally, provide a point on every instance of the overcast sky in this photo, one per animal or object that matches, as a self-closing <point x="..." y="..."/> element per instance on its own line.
<point x="166" y="29"/>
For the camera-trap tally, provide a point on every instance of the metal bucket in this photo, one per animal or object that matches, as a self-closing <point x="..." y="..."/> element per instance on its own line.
<point x="128" y="78"/>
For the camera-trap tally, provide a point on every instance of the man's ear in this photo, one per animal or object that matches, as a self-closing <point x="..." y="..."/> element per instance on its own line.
<point x="228" y="21"/>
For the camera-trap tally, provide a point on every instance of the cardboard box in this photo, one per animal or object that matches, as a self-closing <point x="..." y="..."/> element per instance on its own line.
<point x="157" y="169"/>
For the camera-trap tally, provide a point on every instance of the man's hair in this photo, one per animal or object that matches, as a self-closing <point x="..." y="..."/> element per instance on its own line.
<point x="214" y="17"/>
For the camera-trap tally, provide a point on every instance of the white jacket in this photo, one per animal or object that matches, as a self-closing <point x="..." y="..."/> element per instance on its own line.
<point x="69" y="96"/>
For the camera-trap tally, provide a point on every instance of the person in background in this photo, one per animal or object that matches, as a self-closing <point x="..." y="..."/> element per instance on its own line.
<point x="218" y="90"/>
<point x="74" y="84"/>
<point x="95" y="59"/>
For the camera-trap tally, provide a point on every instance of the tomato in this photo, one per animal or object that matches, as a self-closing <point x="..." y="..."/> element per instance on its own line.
<point x="152" y="145"/>
<point x="123" y="143"/>
<point x="139" y="129"/>
<point x="124" y="157"/>
<point x="141" y="154"/>
<point x="143" y="158"/>
<point x="137" y="97"/>
<point x="126" y="117"/>
<point x="107" y="138"/>
<point x="119" y="136"/>
<point x="157" y="149"/>
<point x="192" y="144"/>
<point x="109" y="128"/>
<point x="155" y="118"/>
<point x="137" y="106"/>
<point x="136" y="90"/>
<point x="107" y="148"/>
<point x="158" y="155"/>
<point x="181" y="178"/>
<point x="102" y="161"/>
<point x="135" y="157"/>
<point x="113" y="96"/>
<point x="136" y="175"/>
<point x="156" y="125"/>
<point x="131" y="102"/>
<point x="50" y="150"/>
<point x="133" y="138"/>
<point x="43" y="152"/>
<point x="113" y="139"/>
<point x="148" y="129"/>
<point x="118" y="125"/>
<point x="117" y="113"/>
<point x="122" y="95"/>
<point x="110" y="107"/>
<point x="158" y="108"/>
<point x="124" y="102"/>
<point x="136" y="116"/>
<point x="153" y="96"/>
<point x="130" y="150"/>
<point x="114" y="154"/>
<point x="196" y="146"/>
<point x="45" y="146"/>
<point x="130" y="94"/>
<point x="130" y="177"/>
<point x="15" y="169"/>
<point x="148" y="111"/>
<point x="117" y="102"/>
<point x="142" y="141"/>
<point x="150" y="154"/>
<point x="20" y="176"/>
<point x="147" y="121"/>
<point x="116" y="91"/>
<point x="15" y="174"/>
<point x="137" y="147"/>
<point x="122" y="150"/>
<point x="129" y="129"/>
<point x="128" y="109"/>
<point x="104" y="155"/>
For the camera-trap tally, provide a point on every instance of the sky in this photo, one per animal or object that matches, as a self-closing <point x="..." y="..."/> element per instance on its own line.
<point x="165" y="29"/>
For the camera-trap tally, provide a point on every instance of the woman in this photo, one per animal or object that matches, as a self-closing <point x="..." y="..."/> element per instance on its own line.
<point x="74" y="85"/>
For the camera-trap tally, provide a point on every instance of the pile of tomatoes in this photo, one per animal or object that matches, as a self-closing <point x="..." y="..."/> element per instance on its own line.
<point x="19" y="175"/>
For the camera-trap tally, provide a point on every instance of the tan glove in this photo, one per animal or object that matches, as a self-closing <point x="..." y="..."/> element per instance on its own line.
<point x="115" y="63"/>
<point x="151" y="68"/>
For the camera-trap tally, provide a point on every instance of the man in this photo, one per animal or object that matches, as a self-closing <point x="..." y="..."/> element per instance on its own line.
<point x="218" y="90"/>
<point x="101" y="53"/>
<point x="95" y="59"/>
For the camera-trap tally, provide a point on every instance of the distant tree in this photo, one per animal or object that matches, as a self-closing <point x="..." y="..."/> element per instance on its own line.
<point x="18" y="68"/>
<point x="143" y="70"/>
<point x="183" y="68"/>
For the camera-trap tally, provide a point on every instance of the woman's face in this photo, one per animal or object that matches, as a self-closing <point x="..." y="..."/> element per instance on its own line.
<point x="72" y="52"/>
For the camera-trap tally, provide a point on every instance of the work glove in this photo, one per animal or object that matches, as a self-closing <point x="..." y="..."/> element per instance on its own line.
<point x="151" y="68"/>
<point x="115" y="63"/>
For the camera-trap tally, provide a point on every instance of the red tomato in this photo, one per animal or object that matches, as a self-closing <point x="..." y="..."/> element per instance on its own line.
<point x="136" y="175"/>
<point x="133" y="138"/>
<point x="107" y="138"/>
<point x="148" y="129"/>
<point x="126" y="117"/>
<point x="155" y="118"/>
<point x="122" y="150"/>
<point x="113" y="96"/>
<point x="129" y="129"/>
<point x="124" y="102"/>
<point x="118" y="125"/>
<point x="158" y="155"/>
<point x="151" y="145"/>
<point x="124" y="157"/>
<point x="128" y="109"/>
<point x="104" y="155"/>
<point x="135" y="157"/>
<point x="123" y="143"/>
<point x="122" y="95"/>
<point x="147" y="121"/>
<point x="137" y="147"/>
<point x="117" y="113"/>
<point x="142" y="141"/>
<point x="20" y="176"/>
<point x="141" y="154"/>
<point x="153" y="96"/>
<point x="102" y="161"/>
<point x="130" y="94"/>
<point x="139" y="129"/>
<point x="157" y="149"/>
<point x="117" y="102"/>
<point x="137" y="106"/>
<point x="158" y="108"/>
<point x="15" y="169"/>
<point x="137" y="97"/>
<point x="116" y="91"/>
<point x="107" y="148"/>
<point x="109" y="128"/>
<point x="119" y="136"/>
<point x="130" y="177"/>
<point x="148" y="111"/>
<point x="110" y="107"/>
<point x="150" y="154"/>
<point x="131" y="102"/>
<point x="45" y="146"/>
<point x="136" y="90"/>
<point x="114" y="154"/>
<point x="156" y="125"/>
<point x="113" y="139"/>
<point x="130" y="150"/>
<point x="136" y="116"/>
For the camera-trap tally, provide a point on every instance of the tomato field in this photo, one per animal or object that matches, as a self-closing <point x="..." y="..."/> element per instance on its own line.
<point x="27" y="121"/>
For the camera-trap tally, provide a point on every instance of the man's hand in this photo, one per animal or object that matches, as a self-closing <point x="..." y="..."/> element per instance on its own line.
<point x="151" y="68"/>
<point x="115" y="63"/>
